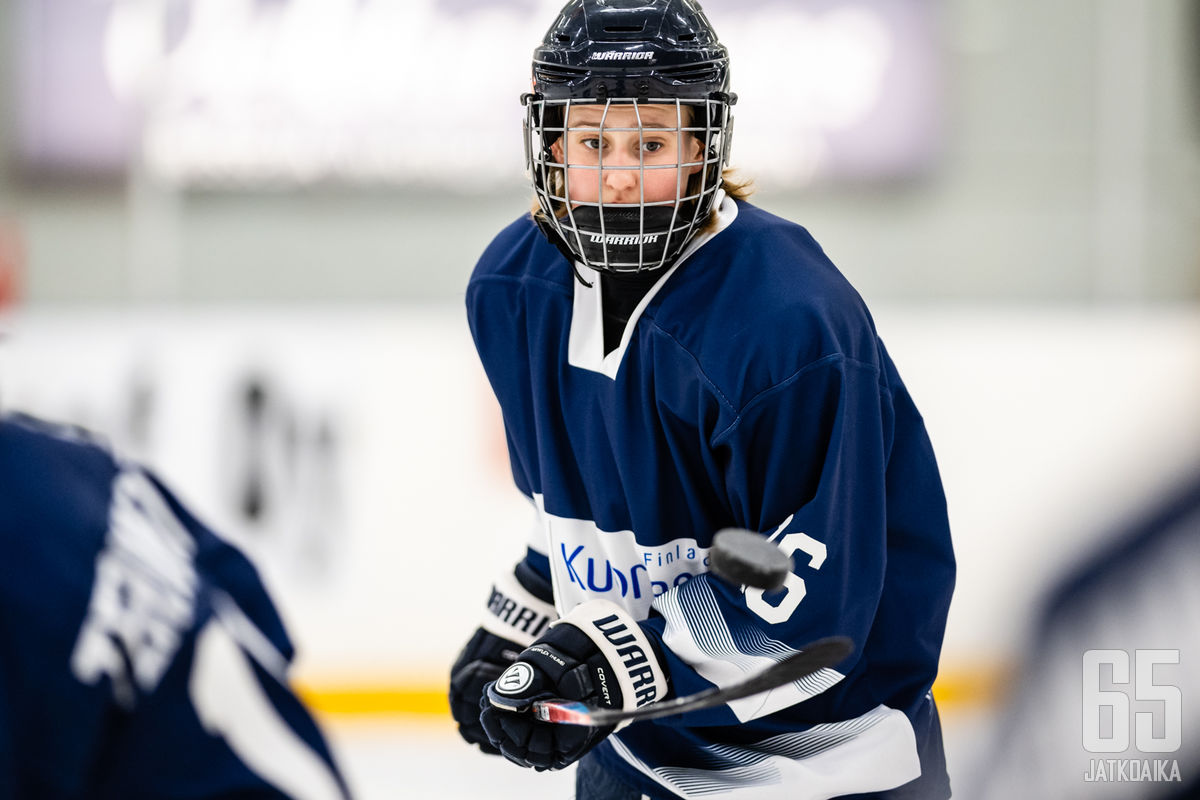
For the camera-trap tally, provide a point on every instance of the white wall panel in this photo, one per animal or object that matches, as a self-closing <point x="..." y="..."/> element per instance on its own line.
<point x="386" y="504"/>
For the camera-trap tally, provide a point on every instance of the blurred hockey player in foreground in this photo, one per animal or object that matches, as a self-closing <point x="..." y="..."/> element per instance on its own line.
<point x="140" y="656"/>
<point x="671" y="360"/>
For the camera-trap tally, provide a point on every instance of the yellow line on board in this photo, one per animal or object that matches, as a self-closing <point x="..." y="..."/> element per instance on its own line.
<point x="978" y="687"/>
<point x="960" y="688"/>
<point x="366" y="699"/>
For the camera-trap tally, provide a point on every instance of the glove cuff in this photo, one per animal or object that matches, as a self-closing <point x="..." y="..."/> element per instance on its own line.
<point x="515" y="614"/>
<point x="630" y="654"/>
<point x="539" y="587"/>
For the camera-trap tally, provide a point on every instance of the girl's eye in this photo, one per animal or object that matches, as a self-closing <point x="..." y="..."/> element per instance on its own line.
<point x="591" y="144"/>
<point x="653" y="147"/>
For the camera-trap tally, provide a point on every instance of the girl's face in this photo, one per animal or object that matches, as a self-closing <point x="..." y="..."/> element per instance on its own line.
<point x="627" y="166"/>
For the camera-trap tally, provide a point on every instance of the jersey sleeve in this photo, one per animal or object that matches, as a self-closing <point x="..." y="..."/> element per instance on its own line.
<point x="228" y="569"/>
<point x="223" y="722"/>
<point x="806" y="463"/>
<point x="183" y="638"/>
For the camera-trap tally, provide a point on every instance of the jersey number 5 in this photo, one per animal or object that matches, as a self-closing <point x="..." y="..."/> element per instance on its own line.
<point x="785" y="601"/>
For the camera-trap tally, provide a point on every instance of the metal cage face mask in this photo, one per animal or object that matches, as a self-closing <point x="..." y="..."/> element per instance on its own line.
<point x="570" y="160"/>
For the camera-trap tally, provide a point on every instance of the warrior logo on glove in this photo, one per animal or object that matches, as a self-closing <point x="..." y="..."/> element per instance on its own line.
<point x="515" y="679"/>
<point x="597" y="654"/>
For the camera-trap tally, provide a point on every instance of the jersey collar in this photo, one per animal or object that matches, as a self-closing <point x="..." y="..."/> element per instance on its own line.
<point x="585" y="348"/>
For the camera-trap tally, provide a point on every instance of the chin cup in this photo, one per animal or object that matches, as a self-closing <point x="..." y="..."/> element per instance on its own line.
<point x="625" y="239"/>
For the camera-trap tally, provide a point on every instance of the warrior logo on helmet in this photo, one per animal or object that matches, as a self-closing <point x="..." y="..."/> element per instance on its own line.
<point x="621" y="55"/>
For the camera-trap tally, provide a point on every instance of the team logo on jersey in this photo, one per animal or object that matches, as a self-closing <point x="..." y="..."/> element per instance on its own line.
<point x="588" y="563"/>
<point x="515" y="679"/>
<point x="633" y="585"/>
<point x="620" y="55"/>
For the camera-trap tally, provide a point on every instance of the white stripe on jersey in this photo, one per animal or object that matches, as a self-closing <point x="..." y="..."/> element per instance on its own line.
<point x="230" y="703"/>
<point x="871" y="753"/>
<point x="696" y="631"/>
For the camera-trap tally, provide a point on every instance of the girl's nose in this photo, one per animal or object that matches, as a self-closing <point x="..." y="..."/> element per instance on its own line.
<point x="621" y="180"/>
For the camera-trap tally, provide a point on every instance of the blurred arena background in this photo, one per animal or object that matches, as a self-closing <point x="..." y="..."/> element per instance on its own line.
<point x="235" y="235"/>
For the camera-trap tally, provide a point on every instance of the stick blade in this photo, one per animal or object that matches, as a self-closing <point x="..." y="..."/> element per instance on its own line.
<point x="815" y="656"/>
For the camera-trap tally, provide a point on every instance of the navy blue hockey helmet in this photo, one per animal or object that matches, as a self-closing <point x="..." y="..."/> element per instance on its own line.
<point x="608" y="53"/>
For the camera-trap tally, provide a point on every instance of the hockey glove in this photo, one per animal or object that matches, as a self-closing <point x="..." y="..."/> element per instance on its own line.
<point x="518" y="611"/>
<point x="597" y="654"/>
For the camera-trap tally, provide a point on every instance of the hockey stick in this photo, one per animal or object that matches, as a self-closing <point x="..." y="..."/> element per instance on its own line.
<point x="740" y="557"/>
<point x="816" y="656"/>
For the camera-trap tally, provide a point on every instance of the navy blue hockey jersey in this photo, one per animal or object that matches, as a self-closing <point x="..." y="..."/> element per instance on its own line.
<point x="749" y="390"/>
<point x="140" y="656"/>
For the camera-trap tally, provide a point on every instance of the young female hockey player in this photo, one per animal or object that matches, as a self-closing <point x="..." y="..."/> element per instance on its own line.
<point x="671" y="361"/>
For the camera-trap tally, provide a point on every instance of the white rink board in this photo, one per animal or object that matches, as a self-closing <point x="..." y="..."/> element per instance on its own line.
<point x="380" y="541"/>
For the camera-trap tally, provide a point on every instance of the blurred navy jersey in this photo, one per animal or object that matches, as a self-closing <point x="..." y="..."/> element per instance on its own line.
<point x="748" y="389"/>
<point x="140" y="656"/>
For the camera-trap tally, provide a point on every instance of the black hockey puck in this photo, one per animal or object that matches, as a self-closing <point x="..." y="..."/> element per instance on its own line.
<point x="745" y="557"/>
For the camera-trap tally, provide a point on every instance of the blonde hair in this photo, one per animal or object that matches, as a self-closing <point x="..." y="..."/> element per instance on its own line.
<point x="737" y="189"/>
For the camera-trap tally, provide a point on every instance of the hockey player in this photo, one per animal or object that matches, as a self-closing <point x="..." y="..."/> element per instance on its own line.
<point x="670" y="361"/>
<point x="140" y="656"/>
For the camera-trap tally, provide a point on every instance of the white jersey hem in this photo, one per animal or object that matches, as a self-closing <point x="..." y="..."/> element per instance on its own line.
<point x="871" y="753"/>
